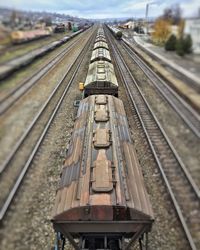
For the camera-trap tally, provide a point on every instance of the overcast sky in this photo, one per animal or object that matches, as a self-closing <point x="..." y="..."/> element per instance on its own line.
<point x="103" y="8"/>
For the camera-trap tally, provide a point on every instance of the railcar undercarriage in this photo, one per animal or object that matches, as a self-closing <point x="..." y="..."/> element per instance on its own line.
<point x="113" y="239"/>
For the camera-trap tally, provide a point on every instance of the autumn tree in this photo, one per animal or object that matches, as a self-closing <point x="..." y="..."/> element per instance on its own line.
<point x="161" y="31"/>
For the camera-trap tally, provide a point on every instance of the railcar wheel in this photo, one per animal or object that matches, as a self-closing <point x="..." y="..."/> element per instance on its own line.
<point x="143" y="241"/>
<point x="60" y="242"/>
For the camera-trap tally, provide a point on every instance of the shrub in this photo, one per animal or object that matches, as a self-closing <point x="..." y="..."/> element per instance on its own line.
<point x="171" y="43"/>
<point x="188" y="44"/>
<point x="180" y="47"/>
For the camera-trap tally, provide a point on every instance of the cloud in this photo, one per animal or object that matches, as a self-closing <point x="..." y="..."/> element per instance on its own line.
<point x="104" y="8"/>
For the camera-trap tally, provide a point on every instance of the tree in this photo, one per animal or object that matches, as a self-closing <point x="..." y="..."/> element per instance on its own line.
<point x="184" y="45"/>
<point x="161" y="31"/>
<point x="188" y="44"/>
<point x="172" y="14"/>
<point x="180" y="47"/>
<point x="181" y="26"/>
<point x="48" y="21"/>
<point x="168" y="14"/>
<point x="170" y="45"/>
<point x="177" y="13"/>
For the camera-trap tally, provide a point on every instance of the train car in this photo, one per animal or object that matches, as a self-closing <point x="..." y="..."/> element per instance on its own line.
<point x="65" y="39"/>
<point x="18" y="37"/>
<point x="100" y="54"/>
<point x="100" y="44"/>
<point x="100" y="33"/>
<point x="101" y="79"/>
<point x="101" y="201"/>
<point x="116" y="32"/>
<point x="60" y="28"/>
<point x="11" y="66"/>
<point x="100" y="39"/>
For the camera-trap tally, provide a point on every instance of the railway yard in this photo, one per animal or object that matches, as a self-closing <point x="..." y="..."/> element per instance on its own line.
<point x="37" y="119"/>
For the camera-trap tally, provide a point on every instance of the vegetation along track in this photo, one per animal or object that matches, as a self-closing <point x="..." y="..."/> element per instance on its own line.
<point x="9" y="100"/>
<point x="180" y="185"/>
<point x="16" y="165"/>
<point x="184" y="110"/>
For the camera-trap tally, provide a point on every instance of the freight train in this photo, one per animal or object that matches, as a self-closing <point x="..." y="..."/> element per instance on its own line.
<point x="101" y="77"/>
<point x="18" y="37"/>
<point x="17" y="63"/>
<point x="101" y="202"/>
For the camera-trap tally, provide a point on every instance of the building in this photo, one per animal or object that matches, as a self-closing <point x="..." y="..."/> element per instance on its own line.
<point x="130" y="24"/>
<point x="192" y="28"/>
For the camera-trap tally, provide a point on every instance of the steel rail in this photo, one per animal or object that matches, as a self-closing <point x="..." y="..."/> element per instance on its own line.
<point x="24" y="170"/>
<point x="163" y="151"/>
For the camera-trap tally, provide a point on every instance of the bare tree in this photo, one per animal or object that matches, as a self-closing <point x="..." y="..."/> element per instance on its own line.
<point x="173" y="14"/>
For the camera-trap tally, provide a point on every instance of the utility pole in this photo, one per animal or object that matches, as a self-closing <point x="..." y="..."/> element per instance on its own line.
<point x="146" y="15"/>
<point x="146" y="18"/>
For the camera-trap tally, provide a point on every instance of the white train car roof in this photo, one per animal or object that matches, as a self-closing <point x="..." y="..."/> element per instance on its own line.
<point x="100" y="72"/>
<point x="100" y="54"/>
<point x="101" y="44"/>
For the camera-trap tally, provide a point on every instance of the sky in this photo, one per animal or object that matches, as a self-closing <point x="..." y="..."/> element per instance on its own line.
<point x="104" y="8"/>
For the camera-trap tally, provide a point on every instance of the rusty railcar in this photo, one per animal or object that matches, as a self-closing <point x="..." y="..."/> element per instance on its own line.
<point x="101" y="202"/>
<point x="19" y="36"/>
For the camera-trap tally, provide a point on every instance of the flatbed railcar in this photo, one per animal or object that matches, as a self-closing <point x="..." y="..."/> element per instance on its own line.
<point x="100" y="54"/>
<point x="101" y="202"/>
<point x="101" y="79"/>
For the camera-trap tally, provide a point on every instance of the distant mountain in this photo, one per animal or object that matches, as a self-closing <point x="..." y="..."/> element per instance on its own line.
<point x="6" y="13"/>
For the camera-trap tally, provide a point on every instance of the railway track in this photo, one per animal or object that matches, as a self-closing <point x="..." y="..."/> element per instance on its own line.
<point x="177" y="73"/>
<point x="14" y="95"/>
<point x="181" y="187"/>
<point x="28" y="47"/>
<point x="185" y="111"/>
<point x="13" y="170"/>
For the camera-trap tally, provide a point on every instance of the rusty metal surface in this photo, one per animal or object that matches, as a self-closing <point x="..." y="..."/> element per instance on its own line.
<point x="101" y="178"/>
